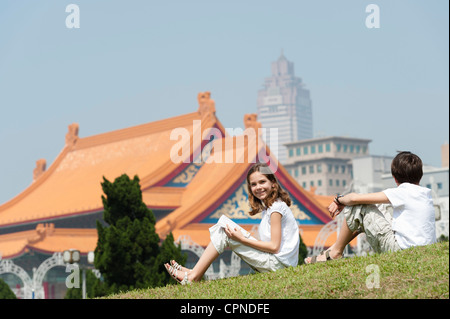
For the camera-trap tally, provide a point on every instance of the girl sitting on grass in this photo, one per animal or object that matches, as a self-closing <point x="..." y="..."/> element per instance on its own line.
<point x="278" y="232"/>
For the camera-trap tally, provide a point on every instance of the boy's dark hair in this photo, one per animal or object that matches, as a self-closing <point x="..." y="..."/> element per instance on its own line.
<point x="406" y="167"/>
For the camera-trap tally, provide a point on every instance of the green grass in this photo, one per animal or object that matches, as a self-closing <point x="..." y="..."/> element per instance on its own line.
<point x="420" y="272"/>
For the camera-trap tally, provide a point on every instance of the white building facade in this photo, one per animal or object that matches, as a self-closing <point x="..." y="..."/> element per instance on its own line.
<point x="325" y="164"/>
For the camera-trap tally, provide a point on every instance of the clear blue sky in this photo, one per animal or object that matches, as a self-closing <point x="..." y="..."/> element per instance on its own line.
<point x="133" y="62"/>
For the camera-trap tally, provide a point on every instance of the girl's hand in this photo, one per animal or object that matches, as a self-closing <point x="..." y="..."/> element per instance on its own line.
<point x="234" y="234"/>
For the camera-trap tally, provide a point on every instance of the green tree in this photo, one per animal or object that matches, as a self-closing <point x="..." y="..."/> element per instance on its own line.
<point x="302" y="252"/>
<point x="5" y="291"/>
<point x="128" y="252"/>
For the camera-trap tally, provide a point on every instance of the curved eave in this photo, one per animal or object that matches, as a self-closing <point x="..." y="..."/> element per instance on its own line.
<point x="35" y="184"/>
<point x="57" y="240"/>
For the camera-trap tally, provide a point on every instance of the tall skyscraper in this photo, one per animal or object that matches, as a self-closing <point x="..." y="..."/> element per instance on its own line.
<point x="285" y="104"/>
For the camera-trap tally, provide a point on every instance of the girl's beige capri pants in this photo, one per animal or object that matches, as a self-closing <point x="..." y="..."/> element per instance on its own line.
<point x="258" y="260"/>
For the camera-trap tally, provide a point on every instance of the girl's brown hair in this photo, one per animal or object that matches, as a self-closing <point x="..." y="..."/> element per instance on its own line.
<point x="256" y="205"/>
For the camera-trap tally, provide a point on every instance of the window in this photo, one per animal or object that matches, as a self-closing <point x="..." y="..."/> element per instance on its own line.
<point x="439" y="185"/>
<point x="330" y="168"/>
<point x="337" y="182"/>
<point x="344" y="182"/>
<point x="338" y="147"/>
<point x="352" y="148"/>
<point x="358" y="149"/>
<point x="305" y="150"/>
<point x="296" y="172"/>
<point x="344" y="147"/>
<point x="311" y="169"/>
<point x="336" y="169"/>
<point x="330" y="182"/>
<point x="343" y="169"/>
<point x="298" y="151"/>
<point x="328" y="147"/>
<point x="313" y="149"/>
<point x="304" y="170"/>
<point x="319" y="182"/>
<point x="319" y="168"/>
<point x="320" y="148"/>
<point x="311" y="183"/>
<point x="291" y="152"/>
<point x="304" y="184"/>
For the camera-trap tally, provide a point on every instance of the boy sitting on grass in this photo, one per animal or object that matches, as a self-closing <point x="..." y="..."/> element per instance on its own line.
<point x="413" y="220"/>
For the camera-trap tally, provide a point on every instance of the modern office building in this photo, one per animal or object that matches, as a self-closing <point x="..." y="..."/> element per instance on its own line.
<point x="285" y="104"/>
<point x="325" y="164"/>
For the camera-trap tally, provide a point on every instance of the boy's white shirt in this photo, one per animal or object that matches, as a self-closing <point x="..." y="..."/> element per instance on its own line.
<point x="413" y="215"/>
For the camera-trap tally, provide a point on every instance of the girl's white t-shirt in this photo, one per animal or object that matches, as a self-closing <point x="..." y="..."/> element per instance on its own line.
<point x="290" y="237"/>
<point x="413" y="216"/>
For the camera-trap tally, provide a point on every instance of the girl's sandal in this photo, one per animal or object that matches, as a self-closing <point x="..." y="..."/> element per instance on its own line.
<point x="173" y="272"/>
<point x="177" y="266"/>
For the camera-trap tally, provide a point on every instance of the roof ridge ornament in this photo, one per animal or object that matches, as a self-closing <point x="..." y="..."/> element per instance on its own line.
<point x="72" y="134"/>
<point x="41" y="165"/>
<point x="250" y="121"/>
<point x="206" y="105"/>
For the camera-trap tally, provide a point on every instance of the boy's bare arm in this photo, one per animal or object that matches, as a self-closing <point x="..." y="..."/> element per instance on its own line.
<point x="357" y="199"/>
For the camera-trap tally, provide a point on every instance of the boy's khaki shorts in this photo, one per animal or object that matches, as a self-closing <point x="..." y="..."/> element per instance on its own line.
<point x="377" y="227"/>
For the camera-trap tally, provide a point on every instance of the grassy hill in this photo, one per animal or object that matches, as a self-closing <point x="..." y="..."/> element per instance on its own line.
<point x="420" y="272"/>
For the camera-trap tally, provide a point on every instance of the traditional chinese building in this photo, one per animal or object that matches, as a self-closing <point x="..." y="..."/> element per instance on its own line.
<point x="191" y="172"/>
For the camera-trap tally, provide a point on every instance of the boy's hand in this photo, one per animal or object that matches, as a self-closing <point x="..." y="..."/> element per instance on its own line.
<point x="335" y="209"/>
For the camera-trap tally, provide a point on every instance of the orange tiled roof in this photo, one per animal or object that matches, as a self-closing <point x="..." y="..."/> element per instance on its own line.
<point x="72" y="184"/>
<point x="48" y="239"/>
